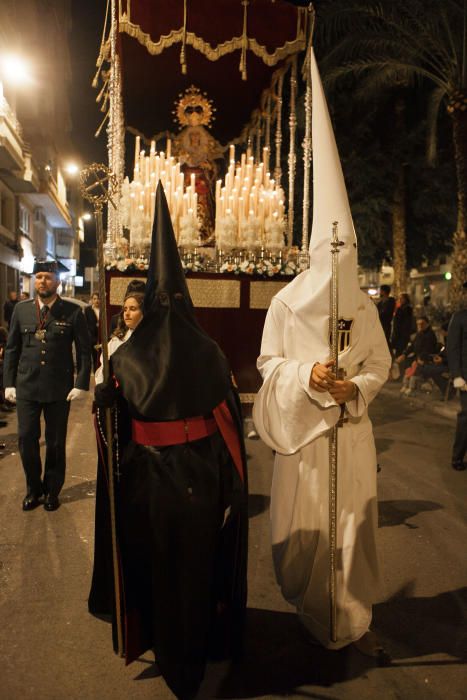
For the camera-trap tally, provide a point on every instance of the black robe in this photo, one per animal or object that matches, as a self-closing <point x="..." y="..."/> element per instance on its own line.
<point x="182" y="543"/>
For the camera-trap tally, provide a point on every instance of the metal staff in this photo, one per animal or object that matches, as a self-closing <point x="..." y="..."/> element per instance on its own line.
<point x="97" y="185"/>
<point x="334" y="318"/>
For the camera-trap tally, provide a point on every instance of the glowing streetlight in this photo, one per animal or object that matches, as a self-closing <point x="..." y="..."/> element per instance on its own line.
<point x="15" y="69"/>
<point x="72" y="169"/>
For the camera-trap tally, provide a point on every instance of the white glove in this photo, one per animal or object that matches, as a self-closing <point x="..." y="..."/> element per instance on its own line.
<point x="10" y="394"/>
<point x="76" y="394"/>
<point x="458" y="383"/>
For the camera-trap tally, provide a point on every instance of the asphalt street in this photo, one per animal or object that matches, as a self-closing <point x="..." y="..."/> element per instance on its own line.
<point x="52" y="649"/>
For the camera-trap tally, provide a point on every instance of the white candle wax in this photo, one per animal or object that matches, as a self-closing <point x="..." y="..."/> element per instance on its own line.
<point x="137" y="149"/>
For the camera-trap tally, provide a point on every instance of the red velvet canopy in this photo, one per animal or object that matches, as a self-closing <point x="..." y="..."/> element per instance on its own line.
<point x="150" y="44"/>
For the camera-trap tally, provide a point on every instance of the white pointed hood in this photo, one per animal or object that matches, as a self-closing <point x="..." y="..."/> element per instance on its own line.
<point x="308" y="296"/>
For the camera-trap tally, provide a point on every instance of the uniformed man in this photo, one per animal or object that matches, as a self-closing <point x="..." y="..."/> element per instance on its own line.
<point x="39" y="376"/>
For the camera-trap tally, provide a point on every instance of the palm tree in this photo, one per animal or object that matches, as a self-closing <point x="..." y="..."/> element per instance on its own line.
<point x="397" y="43"/>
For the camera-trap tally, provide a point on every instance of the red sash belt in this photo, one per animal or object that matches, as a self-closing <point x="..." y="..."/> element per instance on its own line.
<point x="173" y="432"/>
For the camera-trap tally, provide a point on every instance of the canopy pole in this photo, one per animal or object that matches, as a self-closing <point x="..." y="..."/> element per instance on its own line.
<point x="278" y="139"/>
<point x="267" y="134"/>
<point x="98" y="185"/>
<point x="307" y="146"/>
<point x="292" y="153"/>
<point x="258" y="140"/>
<point x="115" y="132"/>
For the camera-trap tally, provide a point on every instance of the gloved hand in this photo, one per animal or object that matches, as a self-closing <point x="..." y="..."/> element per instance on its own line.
<point x="458" y="383"/>
<point x="10" y="394"/>
<point x="105" y="395"/>
<point x="75" y="394"/>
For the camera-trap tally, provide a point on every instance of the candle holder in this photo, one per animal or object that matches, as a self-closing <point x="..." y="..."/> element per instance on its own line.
<point x="220" y="259"/>
<point x="303" y="260"/>
<point x="109" y="251"/>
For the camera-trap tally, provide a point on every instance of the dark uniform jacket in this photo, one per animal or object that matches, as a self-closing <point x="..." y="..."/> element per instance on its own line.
<point x="43" y="369"/>
<point x="92" y="323"/>
<point x="386" y="307"/>
<point x="457" y="345"/>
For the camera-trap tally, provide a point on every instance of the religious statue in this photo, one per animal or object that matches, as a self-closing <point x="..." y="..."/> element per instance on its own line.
<point x="197" y="152"/>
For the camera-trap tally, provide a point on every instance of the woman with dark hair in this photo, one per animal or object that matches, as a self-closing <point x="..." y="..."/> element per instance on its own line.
<point x="129" y="317"/>
<point x="402" y="325"/>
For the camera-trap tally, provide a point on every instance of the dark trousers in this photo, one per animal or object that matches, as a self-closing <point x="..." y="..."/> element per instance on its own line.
<point x="29" y="432"/>
<point x="459" y="448"/>
<point x="438" y="373"/>
<point x="95" y="355"/>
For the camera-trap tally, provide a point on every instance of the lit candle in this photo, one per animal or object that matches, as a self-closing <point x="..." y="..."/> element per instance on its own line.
<point x="137" y="149"/>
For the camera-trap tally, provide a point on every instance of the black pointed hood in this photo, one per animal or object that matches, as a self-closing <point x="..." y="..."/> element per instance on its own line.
<point x="165" y="273"/>
<point x="170" y="368"/>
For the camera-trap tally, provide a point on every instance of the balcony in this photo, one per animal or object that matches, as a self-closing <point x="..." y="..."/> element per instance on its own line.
<point x="11" y="140"/>
<point x="51" y="196"/>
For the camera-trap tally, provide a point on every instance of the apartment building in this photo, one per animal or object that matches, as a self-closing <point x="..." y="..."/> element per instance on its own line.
<point x="36" y="219"/>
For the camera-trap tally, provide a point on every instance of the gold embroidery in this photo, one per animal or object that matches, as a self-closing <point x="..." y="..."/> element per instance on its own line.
<point x="261" y="293"/>
<point x="215" y="294"/>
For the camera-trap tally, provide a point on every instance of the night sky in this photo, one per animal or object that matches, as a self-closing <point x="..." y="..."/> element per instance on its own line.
<point x="87" y="24"/>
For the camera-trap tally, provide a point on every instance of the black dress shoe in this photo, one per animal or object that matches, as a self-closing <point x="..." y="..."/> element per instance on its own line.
<point x="459" y="466"/>
<point x="51" y="502"/>
<point x="30" y="502"/>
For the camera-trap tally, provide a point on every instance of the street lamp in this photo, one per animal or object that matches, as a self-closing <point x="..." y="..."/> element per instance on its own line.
<point x="15" y="70"/>
<point x="72" y="168"/>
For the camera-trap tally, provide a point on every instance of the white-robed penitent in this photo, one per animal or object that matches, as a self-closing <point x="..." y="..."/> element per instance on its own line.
<point x="295" y="420"/>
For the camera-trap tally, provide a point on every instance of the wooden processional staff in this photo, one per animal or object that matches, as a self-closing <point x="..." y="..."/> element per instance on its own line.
<point x="98" y="185"/>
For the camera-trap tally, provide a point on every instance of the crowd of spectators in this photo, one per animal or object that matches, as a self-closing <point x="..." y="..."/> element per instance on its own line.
<point x="419" y="354"/>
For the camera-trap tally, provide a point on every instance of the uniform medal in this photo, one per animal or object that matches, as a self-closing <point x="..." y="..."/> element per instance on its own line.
<point x="41" y="319"/>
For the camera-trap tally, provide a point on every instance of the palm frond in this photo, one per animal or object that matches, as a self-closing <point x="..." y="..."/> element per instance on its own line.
<point x="450" y="39"/>
<point x="376" y="64"/>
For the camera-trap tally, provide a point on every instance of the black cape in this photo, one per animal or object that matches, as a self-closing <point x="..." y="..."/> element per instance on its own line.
<point x="182" y="509"/>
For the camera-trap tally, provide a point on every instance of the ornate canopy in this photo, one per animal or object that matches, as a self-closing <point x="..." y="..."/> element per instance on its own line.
<point x="236" y="52"/>
<point x="228" y="48"/>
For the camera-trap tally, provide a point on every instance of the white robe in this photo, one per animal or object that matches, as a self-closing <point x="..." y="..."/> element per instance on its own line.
<point x="113" y="344"/>
<point x="295" y="420"/>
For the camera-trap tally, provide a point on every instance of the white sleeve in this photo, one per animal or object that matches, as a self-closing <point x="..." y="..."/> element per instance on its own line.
<point x="287" y="413"/>
<point x="374" y="371"/>
<point x="99" y="373"/>
<point x="114" y="343"/>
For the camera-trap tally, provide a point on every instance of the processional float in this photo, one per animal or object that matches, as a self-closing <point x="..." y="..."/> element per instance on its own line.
<point x="233" y="204"/>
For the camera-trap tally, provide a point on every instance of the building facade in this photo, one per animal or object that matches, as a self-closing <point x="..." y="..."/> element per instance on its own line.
<point x="36" y="219"/>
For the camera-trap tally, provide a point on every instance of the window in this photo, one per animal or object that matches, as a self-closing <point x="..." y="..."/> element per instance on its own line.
<point x="24" y="220"/>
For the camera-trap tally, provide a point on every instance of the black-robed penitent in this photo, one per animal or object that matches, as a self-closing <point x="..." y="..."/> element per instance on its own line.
<point x="181" y="508"/>
<point x="170" y="368"/>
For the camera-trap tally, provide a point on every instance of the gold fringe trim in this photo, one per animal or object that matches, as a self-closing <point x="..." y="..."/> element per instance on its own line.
<point x="155" y="48"/>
